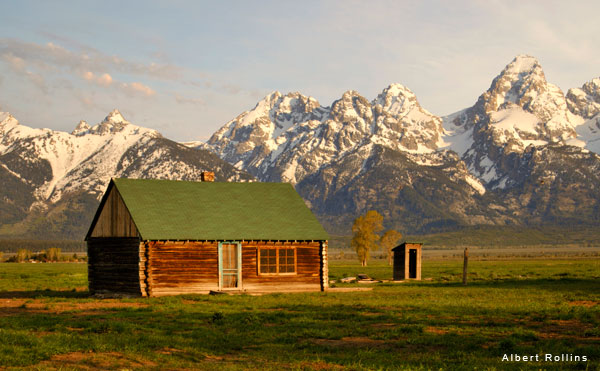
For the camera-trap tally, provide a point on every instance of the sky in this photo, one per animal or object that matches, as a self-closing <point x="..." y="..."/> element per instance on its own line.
<point x="185" y="68"/>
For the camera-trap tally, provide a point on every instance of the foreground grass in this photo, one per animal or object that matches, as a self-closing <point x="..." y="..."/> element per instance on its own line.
<point x="522" y="307"/>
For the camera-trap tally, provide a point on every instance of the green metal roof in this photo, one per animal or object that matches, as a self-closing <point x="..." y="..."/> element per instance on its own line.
<point x="179" y="210"/>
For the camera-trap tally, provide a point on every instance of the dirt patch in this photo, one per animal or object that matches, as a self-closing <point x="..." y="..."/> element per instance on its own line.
<point x="10" y="307"/>
<point x="320" y="366"/>
<point x="435" y="330"/>
<point x="383" y="325"/>
<point x="360" y="342"/>
<point x="566" y="329"/>
<point x="168" y="350"/>
<point x="370" y="314"/>
<point x="583" y="303"/>
<point x="11" y="303"/>
<point x="94" y="361"/>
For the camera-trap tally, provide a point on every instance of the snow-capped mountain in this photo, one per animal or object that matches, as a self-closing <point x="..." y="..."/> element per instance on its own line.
<point x="338" y="156"/>
<point x="285" y="138"/>
<point x="585" y="102"/>
<point x="472" y="167"/>
<point x="519" y="109"/>
<point x="42" y="168"/>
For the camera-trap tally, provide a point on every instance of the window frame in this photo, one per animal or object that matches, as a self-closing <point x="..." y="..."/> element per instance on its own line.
<point x="277" y="248"/>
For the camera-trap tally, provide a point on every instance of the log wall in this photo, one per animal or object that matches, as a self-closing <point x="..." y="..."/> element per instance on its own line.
<point x="324" y="265"/>
<point x="114" y="266"/>
<point x="174" y="268"/>
<point x="157" y="268"/>
<point x="182" y="267"/>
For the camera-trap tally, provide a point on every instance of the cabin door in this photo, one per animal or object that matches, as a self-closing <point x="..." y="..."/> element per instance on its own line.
<point x="230" y="265"/>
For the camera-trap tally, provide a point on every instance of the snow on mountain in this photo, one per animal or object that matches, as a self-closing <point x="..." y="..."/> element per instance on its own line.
<point x="65" y="152"/>
<point x="52" y="181"/>
<point x="520" y="109"/>
<point x="87" y="158"/>
<point x="585" y="101"/>
<point x="588" y="134"/>
<point x="330" y="152"/>
<point x="286" y="137"/>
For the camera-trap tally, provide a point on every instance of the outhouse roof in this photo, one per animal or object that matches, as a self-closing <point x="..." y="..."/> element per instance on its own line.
<point x="403" y="244"/>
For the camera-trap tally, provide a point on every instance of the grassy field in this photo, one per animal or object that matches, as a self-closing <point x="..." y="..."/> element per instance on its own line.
<point x="523" y="307"/>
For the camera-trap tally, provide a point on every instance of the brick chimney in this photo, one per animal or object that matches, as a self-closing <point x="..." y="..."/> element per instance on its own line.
<point x="207" y="176"/>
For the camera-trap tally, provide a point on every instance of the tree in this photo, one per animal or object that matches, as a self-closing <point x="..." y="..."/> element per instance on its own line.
<point x="365" y="239"/>
<point x="388" y="241"/>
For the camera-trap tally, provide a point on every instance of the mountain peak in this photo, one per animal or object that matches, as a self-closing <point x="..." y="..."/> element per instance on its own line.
<point x="81" y="128"/>
<point x="114" y="122"/>
<point x="271" y="97"/>
<point x="396" y="99"/>
<point x="523" y="72"/>
<point x="523" y="64"/>
<point x="7" y="120"/>
<point x="523" y="83"/>
<point x="115" y="117"/>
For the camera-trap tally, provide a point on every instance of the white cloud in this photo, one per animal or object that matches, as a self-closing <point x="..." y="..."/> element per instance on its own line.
<point x="137" y="88"/>
<point x="103" y="80"/>
<point x="16" y="63"/>
<point x="53" y="55"/>
<point x="18" y="66"/>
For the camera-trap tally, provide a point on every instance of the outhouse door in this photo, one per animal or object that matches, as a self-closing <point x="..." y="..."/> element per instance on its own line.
<point x="230" y="265"/>
<point x="412" y="263"/>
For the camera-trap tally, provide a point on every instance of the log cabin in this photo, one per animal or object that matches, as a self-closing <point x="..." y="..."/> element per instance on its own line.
<point x="163" y="237"/>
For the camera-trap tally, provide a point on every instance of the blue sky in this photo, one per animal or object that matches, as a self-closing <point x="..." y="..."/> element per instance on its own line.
<point x="185" y="68"/>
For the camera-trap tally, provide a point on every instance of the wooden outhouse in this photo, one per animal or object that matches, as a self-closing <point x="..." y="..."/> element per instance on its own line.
<point x="407" y="261"/>
<point x="164" y="237"/>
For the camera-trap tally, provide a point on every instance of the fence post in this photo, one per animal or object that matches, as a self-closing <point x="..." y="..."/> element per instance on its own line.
<point x="465" y="266"/>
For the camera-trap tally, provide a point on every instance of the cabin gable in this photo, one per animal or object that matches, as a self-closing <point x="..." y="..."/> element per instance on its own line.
<point x="113" y="218"/>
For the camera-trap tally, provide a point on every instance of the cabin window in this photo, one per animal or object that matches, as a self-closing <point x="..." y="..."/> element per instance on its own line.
<point x="277" y="260"/>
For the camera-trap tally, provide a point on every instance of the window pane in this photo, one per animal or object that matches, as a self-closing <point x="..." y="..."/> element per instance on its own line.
<point x="274" y="260"/>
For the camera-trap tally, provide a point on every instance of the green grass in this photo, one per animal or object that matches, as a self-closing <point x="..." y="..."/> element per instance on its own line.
<point x="522" y="307"/>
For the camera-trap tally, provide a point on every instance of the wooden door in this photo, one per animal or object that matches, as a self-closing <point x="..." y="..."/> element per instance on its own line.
<point x="230" y="259"/>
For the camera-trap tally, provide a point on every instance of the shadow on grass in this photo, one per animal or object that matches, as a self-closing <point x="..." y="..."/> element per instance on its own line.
<point x="44" y="293"/>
